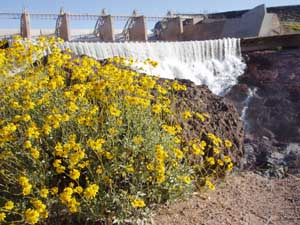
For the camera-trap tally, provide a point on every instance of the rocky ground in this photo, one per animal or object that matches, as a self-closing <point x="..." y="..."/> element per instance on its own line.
<point x="242" y="199"/>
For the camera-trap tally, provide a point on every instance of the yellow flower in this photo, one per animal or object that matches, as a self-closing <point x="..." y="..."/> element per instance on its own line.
<point x="216" y="151"/>
<point x="230" y="166"/>
<point x="197" y="150"/>
<point x="26" y="117"/>
<point x="187" y="115"/>
<point x="210" y="160"/>
<point x="78" y="190"/>
<point x="160" y="154"/>
<point x="200" y="116"/>
<point x="47" y="129"/>
<point x="56" y="163"/>
<point x="38" y="205"/>
<point x="177" y="140"/>
<point x="96" y="145"/>
<point x="112" y="131"/>
<point x="187" y="179"/>
<point x="54" y="190"/>
<point x="160" y="178"/>
<point x="156" y="108"/>
<point x="228" y="143"/>
<point x="99" y="170"/>
<point x="109" y="155"/>
<point x="60" y="169"/>
<point x="178" y="153"/>
<point x="2" y="217"/>
<point x="227" y="159"/>
<point x="27" y="189"/>
<point x="66" y="195"/>
<point x="130" y="168"/>
<point x="91" y="191"/>
<point x="32" y="131"/>
<point x="220" y="162"/>
<point x="27" y="144"/>
<point x="32" y="216"/>
<point x="138" y="140"/>
<point x="174" y="163"/>
<point x="170" y="129"/>
<point x="44" y="192"/>
<point x="72" y="107"/>
<point x="9" y="205"/>
<point x="150" y="167"/>
<point x="75" y="174"/>
<point x="34" y="153"/>
<point x="138" y="203"/>
<point x="210" y="185"/>
<point x="114" y="111"/>
<point x="23" y="180"/>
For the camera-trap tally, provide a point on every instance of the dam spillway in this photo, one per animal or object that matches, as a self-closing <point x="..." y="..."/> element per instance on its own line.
<point x="215" y="63"/>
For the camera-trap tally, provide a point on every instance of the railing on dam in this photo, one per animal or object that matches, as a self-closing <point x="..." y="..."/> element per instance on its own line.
<point x="134" y="29"/>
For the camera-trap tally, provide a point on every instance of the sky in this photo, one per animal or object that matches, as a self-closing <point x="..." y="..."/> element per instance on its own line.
<point x="118" y="7"/>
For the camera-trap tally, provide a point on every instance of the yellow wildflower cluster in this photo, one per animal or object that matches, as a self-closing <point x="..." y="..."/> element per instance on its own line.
<point x="67" y="198"/>
<point x="24" y="182"/>
<point x="84" y="135"/>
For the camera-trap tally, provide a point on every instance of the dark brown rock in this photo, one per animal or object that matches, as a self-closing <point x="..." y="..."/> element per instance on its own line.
<point x="224" y="119"/>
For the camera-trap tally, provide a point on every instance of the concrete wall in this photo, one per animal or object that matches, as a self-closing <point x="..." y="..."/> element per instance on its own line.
<point x="254" y="23"/>
<point x="173" y="31"/>
<point x="203" y="31"/>
<point x="270" y="26"/>
<point x="285" y="13"/>
<point x="249" y="25"/>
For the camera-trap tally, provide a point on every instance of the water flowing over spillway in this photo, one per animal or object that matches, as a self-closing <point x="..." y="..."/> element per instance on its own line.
<point x="215" y="63"/>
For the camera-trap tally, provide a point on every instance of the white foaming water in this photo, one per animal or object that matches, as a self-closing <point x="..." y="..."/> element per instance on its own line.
<point x="215" y="63"/>
<point x="251" y="93"/>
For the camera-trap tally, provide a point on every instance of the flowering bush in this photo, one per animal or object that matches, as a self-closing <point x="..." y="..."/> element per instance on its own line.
<point x="82" y="140"/>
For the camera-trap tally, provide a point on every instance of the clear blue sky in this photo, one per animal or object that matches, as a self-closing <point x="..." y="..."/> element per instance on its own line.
<point x="115" y="7"/>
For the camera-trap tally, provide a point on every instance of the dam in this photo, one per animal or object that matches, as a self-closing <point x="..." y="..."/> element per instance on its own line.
<point x="257" y="22"/>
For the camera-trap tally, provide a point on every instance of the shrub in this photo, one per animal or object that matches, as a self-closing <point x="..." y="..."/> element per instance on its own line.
<point x="82" y="140"/>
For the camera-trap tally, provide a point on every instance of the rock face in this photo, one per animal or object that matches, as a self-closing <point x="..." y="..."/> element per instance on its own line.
<point x="224" y="120"/>
<point x="272" y="114"/>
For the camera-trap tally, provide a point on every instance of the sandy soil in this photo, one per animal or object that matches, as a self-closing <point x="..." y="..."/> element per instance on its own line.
<point x="242" y="199"/>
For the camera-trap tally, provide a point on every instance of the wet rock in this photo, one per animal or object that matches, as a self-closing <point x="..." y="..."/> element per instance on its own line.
<point x="273" y="113"/>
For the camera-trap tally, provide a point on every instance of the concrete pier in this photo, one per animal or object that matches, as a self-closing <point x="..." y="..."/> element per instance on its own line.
<point x="106" y="30"/>
<point x="64" y="27"/>
<point x="25" y="25"/>
<point x="138" y="30"/>
<point x="173" y="30"/>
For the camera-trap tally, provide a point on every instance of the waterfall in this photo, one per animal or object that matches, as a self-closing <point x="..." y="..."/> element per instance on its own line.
<point x="215" y="63"/>
<point x="251" y="93"/>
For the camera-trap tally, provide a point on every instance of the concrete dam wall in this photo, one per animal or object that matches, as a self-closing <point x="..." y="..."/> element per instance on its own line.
<point x="257" y="22"/>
